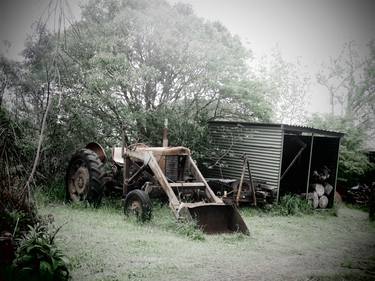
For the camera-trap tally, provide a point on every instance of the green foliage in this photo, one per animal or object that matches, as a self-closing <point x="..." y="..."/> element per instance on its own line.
<point x="190" y="229"/>
<point x="353" y="162"/>
<point x="15" y="221"/>
<point x="14" y="152"/>
<point x="38" y="258"/>
<point x="145" y="61"/>
<point x="291" y="205"/>
<point x="136" y="63"/>
<point x="51" y="193"/>
<point x="349" y="79"/>
<point x="285" y="87"/>
<point x="164" y="219"/>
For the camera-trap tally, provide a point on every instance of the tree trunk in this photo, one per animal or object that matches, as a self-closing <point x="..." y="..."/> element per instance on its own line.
<point x="40" y="142"/>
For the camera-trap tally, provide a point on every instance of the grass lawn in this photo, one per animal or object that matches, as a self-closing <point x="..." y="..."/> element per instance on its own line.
<point x="103" y="245"/>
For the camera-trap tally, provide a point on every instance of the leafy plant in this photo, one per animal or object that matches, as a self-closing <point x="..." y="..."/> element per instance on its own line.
<point x="38" y="257"/>
<point x="291" y="205"/>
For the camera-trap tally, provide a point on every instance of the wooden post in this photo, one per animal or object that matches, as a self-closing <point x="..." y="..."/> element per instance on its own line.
<point x="337" y="170"/>
<point x="241" y="182"/>
<point x="251" y="182"/>
<point x="281" y="163"/>
<point x="126" y="173"/>
<point x="165" y="133"/>
<point x="310" y="157"/>
<point x="163" y="159"/>
<point x="372" y="202"/>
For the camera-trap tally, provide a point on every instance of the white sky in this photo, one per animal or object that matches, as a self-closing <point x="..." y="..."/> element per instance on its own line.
<point x="309" y="30"/>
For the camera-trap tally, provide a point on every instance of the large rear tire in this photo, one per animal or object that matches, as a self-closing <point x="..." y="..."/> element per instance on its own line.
<point x="84" y="178"/>
<point x="138" y="205"/>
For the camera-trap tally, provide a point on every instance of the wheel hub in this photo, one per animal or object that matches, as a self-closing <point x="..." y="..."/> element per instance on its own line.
<point x="135" y="207"/>
<point x="79" y="183"/>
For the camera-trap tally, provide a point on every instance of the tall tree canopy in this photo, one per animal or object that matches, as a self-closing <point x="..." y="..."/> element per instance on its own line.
<point x="143" y="61"/>
<point x="287" y="87"/>
<point x="350" y="80"/>
<point x="133" y="62"/>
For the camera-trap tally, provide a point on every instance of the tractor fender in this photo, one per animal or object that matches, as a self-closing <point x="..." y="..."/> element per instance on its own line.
<point x="98" y="149"/>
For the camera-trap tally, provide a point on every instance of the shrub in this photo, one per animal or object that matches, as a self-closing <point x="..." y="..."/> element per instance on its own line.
<point x="292" y="205"/>
<point x="38" y="258"/>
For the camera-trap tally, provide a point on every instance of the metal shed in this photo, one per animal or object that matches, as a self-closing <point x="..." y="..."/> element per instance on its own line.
<point x="283" y="156"/>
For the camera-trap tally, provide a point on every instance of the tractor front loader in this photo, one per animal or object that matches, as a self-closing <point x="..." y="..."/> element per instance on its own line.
<point x="190" y="197"/>
<point x="141" y="171"/>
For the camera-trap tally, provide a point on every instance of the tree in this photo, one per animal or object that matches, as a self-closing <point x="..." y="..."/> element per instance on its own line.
<point x="287" y="87"/>
<point x="139" y="61"/>
<point x="350" y="81"/>
<point x="134" y="62"/>
<point x="9" y="74"/>
<point x="353" y="162"/>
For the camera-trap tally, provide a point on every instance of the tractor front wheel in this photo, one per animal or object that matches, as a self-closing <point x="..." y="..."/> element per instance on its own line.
<point x="138" y="205"/>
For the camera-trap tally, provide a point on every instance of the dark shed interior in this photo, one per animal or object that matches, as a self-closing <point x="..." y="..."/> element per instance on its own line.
<point x="306" y="151"/>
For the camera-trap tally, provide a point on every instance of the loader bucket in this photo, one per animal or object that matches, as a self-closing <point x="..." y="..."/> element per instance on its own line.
<point x="214" y="218"/>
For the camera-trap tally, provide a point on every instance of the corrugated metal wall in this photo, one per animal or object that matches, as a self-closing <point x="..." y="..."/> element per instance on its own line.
<point x="263" y="144"/>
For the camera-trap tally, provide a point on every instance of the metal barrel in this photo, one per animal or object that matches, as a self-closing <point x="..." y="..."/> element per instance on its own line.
<point x="215" y="218"/>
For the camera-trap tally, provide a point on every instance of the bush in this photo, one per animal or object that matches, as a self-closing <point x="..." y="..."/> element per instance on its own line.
<point x="38" y="258"/>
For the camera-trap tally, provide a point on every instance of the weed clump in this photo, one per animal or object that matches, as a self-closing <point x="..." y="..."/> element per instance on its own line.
<point x="165" y="220"/>
<point x="291" y="205"/>
<point x="189" y="229"/>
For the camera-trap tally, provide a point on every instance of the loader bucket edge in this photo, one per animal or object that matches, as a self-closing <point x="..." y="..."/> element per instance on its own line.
<point x="215" y="218"/>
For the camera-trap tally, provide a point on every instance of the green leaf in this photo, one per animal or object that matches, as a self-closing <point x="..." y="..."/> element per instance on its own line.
<point x="25" y="259"/>
<point x="45" y="270"/>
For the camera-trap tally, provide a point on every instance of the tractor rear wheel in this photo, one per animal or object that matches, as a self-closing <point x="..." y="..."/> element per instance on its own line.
<point x="84" y="178"/>
<point x="138" y="205"/>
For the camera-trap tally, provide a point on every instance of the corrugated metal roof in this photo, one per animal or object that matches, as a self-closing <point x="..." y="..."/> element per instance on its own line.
<point x="287" y="128"/>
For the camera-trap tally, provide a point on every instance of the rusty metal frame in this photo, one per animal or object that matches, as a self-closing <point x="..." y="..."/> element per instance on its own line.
<point x="150" y="155"/>
<point x="210" y="213"/>
<point x="246" y="163"/>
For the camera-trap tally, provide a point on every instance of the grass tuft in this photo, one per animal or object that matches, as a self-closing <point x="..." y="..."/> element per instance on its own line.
<point x="164" y="219"/>
<point x="291" y="205"/>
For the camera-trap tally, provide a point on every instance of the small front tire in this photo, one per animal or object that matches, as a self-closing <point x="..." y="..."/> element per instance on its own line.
<point x="138" y="205"/>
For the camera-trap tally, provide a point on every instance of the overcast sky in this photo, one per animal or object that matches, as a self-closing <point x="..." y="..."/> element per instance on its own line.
<point x="311" y="31"/>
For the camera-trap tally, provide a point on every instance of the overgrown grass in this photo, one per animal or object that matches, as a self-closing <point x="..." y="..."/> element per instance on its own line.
<point x="164" y="219"/>
<point x="102" y="244"/>
<point x="289" y="205"/>
<point x="292" y="205"/>
<point x="52" y="193"/>
<point x="162" y="216"/>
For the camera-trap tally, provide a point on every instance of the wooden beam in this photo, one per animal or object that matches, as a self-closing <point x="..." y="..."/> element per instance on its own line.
<point x="308" y="171"/>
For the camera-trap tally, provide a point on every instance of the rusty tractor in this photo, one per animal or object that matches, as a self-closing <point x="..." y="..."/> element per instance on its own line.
<point x="141" y="172"/>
